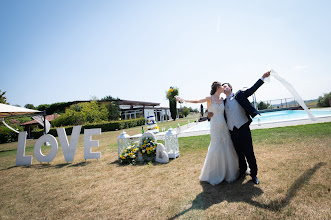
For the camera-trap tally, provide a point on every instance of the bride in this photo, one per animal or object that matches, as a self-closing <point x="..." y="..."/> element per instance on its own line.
<point x="221" y="162"/>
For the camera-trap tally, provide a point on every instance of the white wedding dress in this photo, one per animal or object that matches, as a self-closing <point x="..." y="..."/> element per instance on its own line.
<point x="221" y="162"/>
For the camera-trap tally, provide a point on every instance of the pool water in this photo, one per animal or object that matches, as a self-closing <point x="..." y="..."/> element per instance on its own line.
<point x="271" y="117"/>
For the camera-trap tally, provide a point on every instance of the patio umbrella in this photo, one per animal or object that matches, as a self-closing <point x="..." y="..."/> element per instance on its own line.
<point x="9" y="110"/>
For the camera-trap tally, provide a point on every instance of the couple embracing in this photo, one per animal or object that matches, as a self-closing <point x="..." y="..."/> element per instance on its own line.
<point x="231" y="141"/>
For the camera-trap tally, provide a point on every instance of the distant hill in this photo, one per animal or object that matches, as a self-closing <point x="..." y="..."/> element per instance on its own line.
<point x="311" y="103"/>
<point x="289" y="102"/>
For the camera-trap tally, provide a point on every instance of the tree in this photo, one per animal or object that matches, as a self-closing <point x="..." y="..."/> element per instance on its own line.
<point x="43" y="107"/>
<point x="29" y="106"/>
<point x="94" y="98"/>
<point x="324" y="101"/>
<point x="109" y="98"/>
<point x="263" y="105"/>
<point x="186" y="111"/>
<point x="114" y="111"/>
<point x="201" y="110"/>
<point x="3" y="98"/>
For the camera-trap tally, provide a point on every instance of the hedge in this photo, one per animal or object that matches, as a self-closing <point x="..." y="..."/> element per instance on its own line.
<point x="105" y="126"/>
<point x="7" y="135"/>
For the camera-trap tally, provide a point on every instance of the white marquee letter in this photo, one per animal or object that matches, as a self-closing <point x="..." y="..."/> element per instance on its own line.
<point x="21" y="159"/>
<point x="37" y="148"/>
<point x="69" y="149"/>
<point x="88" y="143"/>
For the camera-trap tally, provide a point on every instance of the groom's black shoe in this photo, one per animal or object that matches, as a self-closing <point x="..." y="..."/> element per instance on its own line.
<point x="255" y="180"/>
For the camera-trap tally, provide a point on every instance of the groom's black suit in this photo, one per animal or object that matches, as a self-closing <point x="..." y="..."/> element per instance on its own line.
<point x="241" y="137"/>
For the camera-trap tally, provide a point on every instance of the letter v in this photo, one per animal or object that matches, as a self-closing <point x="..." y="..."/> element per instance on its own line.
<point x="69" y="150"/>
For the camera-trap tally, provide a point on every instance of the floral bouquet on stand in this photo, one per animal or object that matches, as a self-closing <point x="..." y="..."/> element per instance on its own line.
<point x="172" y="92"/>
<point x="171" y="95"/>
<point x="129" y="155"/>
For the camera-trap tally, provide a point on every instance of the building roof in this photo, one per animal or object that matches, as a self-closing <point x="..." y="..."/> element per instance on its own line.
<point x="48" y="118"/>
<point x="127" y="102"/>
<point x="141" y="103"/>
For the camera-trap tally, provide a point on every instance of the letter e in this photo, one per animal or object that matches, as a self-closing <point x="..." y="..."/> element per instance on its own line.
<point x="89" y="143"/>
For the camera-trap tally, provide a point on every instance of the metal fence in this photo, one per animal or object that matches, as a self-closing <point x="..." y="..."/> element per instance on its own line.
<point x="279" y="103"/>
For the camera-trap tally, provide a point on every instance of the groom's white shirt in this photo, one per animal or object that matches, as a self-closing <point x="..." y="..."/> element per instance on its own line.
<point x="235" y="114"/>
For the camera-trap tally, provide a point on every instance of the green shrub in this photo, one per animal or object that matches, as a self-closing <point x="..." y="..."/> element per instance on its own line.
<point x="7" y="135"/>
<point x="82" y="113"/>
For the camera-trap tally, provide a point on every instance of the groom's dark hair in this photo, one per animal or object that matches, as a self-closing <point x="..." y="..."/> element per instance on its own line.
<point x="228" y="85"/>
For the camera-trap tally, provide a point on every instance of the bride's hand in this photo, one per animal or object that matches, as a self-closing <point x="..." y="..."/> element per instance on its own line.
<point x="179" y="99"/>
<point x="210" y="114"/>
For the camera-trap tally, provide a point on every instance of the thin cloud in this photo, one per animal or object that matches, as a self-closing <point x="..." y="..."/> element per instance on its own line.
<point x="302" y="67"/>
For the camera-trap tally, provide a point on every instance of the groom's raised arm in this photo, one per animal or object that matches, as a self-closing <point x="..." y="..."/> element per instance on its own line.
<point x="257" y="85"/>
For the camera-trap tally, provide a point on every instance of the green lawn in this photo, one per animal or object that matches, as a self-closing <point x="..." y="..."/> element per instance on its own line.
<point x="294" y="169"/>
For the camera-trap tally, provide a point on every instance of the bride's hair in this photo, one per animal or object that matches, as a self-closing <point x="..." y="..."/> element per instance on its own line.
<point x="214" y="87"/>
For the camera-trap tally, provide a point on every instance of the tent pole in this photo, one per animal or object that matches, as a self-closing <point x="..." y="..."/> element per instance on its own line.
<point x="44" y="121"/>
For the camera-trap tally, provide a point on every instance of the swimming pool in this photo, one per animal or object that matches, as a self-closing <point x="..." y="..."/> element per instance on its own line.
<point x="272" y="117"/>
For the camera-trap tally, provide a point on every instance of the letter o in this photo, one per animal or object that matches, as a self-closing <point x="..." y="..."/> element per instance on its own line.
<point x="54" y="148"/>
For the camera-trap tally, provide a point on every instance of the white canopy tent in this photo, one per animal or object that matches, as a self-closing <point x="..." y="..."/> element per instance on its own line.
<point x="9" y="110"/>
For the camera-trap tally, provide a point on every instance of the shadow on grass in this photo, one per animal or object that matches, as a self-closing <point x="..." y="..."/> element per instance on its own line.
<point x="47" y="165"/>
<point x="238" y="192"/>
<point x="153" y="163"/>
<point x="279" y="204"/>
<point x="8" y="168"/>
<point x="114" y="162"/>
<point x="4" y="151"/>
<point x="81" y="164"/>
<point x="57" y="166"/>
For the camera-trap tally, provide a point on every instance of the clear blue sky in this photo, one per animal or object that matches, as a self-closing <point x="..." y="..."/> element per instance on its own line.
<point x="58" y="50"/>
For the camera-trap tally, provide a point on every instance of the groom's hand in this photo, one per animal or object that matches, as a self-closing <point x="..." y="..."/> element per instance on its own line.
<point x="267" y="74"/>
<point x="210" y="114"/>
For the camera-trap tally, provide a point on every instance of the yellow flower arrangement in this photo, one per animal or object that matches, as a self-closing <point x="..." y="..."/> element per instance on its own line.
<point x="148" y="149"/>
<point x="129" y="154"/>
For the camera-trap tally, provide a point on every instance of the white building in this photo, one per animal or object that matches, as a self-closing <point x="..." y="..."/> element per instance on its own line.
<point x="139" y="109"/>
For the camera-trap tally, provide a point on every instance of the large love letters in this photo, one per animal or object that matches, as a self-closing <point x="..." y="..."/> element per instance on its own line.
<point x="68" y="150"/>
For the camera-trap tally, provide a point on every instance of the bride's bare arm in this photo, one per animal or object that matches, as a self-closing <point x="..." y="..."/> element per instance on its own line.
<point x="207" y="99"/>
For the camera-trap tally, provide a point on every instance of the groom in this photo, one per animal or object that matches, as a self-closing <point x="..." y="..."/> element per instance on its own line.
<point x="238" y="114"/>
